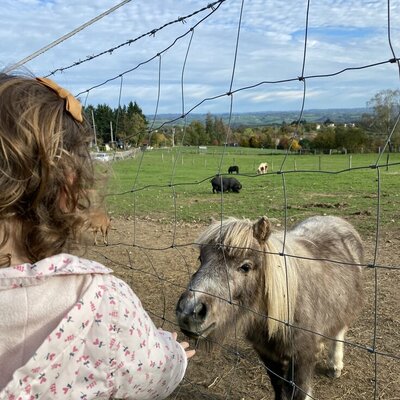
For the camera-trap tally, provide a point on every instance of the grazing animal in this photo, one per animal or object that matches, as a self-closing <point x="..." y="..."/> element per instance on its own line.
<point x="220" y="183"/>
<point x="232" y="169"/>
<point x="99" y="221"/>
<point x="279" y="289"/>
<point x="262" y="168"/>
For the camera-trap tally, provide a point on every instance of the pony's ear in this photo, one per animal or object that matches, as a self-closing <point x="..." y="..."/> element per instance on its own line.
<point x="262" y="229"/>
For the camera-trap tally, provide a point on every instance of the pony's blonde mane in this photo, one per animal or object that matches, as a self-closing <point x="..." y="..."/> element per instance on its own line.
<point x="280" y="287"/>
<point x="236" y="237"/>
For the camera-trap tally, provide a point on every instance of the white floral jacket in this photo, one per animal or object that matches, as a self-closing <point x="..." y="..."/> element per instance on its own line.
<point x="105" y="345"/>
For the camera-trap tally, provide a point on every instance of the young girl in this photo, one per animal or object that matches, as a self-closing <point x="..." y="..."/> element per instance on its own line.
<point x="68" y="328"/>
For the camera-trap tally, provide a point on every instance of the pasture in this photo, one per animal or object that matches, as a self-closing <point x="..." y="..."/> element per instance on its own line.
<point x="161" y="200"/>
<point x="173" y="184"/>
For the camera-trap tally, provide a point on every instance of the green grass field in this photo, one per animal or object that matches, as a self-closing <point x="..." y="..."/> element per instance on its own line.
<point x="174" y="184"/>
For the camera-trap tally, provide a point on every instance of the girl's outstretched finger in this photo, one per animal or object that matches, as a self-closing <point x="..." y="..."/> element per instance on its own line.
<point x="185" y="345"/>
<point x="190" y="353"/>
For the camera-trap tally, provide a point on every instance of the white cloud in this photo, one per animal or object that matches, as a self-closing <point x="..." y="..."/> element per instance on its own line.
<point x="341" y="34"/>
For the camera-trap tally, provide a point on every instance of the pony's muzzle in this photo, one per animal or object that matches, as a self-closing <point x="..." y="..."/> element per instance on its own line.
<point x="191" y="314"/>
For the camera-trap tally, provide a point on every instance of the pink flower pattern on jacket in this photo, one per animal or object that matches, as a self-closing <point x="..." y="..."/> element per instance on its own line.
<point x="106" y="345"/>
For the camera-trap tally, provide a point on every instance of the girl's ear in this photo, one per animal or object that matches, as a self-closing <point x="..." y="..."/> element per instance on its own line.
<point x="262" y="230"/>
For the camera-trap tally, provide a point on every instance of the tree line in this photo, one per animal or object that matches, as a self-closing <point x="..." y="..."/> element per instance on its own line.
<point x="128" y="126"/>
<point x="124" y="126"/>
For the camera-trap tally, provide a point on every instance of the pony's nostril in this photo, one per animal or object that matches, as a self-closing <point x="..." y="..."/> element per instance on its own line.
<point x="183" y="303"/>
<point x="200" y="311"/>
<point x="180" y="306"/>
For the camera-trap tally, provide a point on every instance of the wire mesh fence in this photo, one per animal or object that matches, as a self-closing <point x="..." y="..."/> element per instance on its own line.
<point x="163" y="200"/>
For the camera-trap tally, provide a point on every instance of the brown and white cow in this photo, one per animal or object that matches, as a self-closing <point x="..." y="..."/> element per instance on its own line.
<point x="262" y="168"/>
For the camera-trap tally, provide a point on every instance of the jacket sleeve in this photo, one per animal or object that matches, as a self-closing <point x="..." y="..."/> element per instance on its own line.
<point x="149" y="362"/>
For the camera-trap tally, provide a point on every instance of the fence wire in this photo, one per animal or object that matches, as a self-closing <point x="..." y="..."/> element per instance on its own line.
<point x="152" y="252"/>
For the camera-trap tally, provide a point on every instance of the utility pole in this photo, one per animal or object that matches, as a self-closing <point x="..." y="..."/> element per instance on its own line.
<point x="94" y="130"/>
<point x="111" y="130"/>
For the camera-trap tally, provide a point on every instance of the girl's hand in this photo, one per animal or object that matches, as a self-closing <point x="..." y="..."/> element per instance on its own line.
<point x="189" y="353"/>
<point x="185" y="345"/>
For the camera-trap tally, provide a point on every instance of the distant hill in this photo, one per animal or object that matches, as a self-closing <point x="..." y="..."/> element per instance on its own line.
<point x="336" y="115"/>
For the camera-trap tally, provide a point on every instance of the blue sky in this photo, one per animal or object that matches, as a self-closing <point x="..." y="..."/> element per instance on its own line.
<point x="342" y="34"/>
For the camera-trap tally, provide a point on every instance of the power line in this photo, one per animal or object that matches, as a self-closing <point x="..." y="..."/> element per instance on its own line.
<point x="130" y="41"/>
<point x="65" y="37"/>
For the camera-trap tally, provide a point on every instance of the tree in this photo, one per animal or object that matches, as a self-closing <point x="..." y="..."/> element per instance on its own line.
<point x="158" y="139"/>
<point x="220" y="130"/>
<point x="132" y="124"/>
<point x="385" y="108"/>
<point x="266" y="139"/>
<point x="195" y="134"/>
<point x="132" y="128"/>
<point x="244" y="141"/>
<point x="129" y="123"/>
<point x="209" y="129"/>
<point x="255" y="141"/>
<point x="284" y="128"/>
<point x="283" y="143"/>
<point x="103" y="114"/>
<point x="352" y="139"/>
<point x="325" y="140"/>
<point x="248" y="132"/>
<point x="305" y="143"/>
<point x="295" y="145"/>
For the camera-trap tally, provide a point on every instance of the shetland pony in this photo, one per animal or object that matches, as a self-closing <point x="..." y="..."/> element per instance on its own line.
<point x="284" y="291"/>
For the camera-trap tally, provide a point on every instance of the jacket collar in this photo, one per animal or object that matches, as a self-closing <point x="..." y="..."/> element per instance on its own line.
<point x="61" y="264"/>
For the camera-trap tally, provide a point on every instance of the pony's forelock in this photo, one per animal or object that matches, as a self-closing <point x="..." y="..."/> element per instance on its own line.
<point x="233" y="234"/>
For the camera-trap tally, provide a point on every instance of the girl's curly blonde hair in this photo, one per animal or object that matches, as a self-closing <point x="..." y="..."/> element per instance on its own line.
<point x="45" y="168"/>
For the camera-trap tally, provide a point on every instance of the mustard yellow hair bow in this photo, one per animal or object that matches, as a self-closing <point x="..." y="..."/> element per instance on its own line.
<point x="72" y="105"/>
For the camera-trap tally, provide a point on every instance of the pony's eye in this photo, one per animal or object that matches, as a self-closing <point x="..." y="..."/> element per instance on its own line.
<point x="245" y="268"/>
